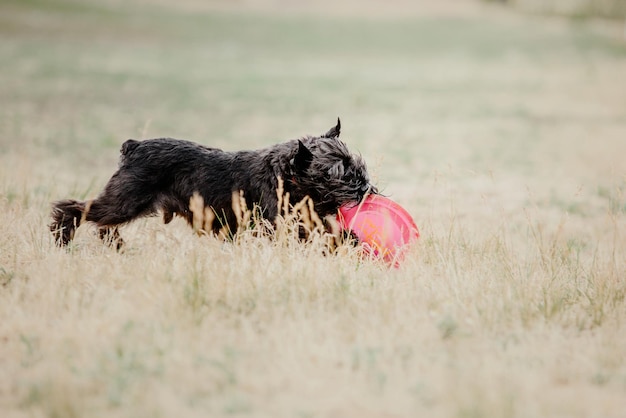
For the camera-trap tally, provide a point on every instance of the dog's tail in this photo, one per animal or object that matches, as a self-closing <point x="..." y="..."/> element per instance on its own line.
<point x="66" y="217"/>
<point x="128" y="147"/>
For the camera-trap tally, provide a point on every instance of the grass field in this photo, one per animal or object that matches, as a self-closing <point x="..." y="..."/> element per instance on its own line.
<point x="503" y="135"/>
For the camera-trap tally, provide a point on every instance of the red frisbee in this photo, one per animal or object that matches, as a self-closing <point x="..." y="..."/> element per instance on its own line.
<point x="384" y="228"/>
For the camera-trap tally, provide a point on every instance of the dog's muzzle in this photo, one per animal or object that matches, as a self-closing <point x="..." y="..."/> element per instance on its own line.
<point x="369" y="188"/>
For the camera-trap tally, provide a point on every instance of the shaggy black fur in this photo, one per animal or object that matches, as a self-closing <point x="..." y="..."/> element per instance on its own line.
<point x="163" y="174"/>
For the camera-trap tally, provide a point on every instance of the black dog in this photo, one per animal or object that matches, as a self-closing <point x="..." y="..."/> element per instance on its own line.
<point x="163" y="174"/>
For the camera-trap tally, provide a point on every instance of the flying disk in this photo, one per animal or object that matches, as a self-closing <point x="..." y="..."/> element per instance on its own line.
<point x="383" y="227"/>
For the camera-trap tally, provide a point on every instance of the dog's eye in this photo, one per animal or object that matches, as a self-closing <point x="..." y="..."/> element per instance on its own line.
<point x="336" y="170"/>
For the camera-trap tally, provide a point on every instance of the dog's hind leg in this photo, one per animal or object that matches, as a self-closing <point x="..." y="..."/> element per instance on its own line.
<point x="108" y="212"/>
<point x="68" y="215"/>
<point x="111" y="237"/>
<point x="124" y="199"/>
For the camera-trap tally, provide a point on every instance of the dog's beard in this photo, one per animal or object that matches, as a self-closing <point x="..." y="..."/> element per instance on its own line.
<point x="331" y="189"/>
<point x="346" y="196"/>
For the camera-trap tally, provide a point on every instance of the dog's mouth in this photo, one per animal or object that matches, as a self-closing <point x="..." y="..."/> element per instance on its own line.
<point x="344" y="196"/>
<point x="366" y="190"/>
<point x="369" y="189"/>
<point x="357" y="196"/>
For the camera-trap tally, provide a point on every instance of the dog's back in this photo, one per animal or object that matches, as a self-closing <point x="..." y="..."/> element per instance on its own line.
<point x="159" y="149"/>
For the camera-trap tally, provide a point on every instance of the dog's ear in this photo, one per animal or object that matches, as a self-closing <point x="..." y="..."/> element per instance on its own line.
<point x="334" y="131"/>
<point x="303" y="157"/>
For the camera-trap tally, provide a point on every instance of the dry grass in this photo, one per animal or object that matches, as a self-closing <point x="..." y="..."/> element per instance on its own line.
<point x="506" y="143"/>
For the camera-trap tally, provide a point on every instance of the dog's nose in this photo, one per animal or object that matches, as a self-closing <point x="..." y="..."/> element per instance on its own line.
<point x="367" y="189"/>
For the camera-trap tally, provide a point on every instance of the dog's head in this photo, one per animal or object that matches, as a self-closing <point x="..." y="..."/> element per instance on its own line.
<point x="324" y="169"/>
